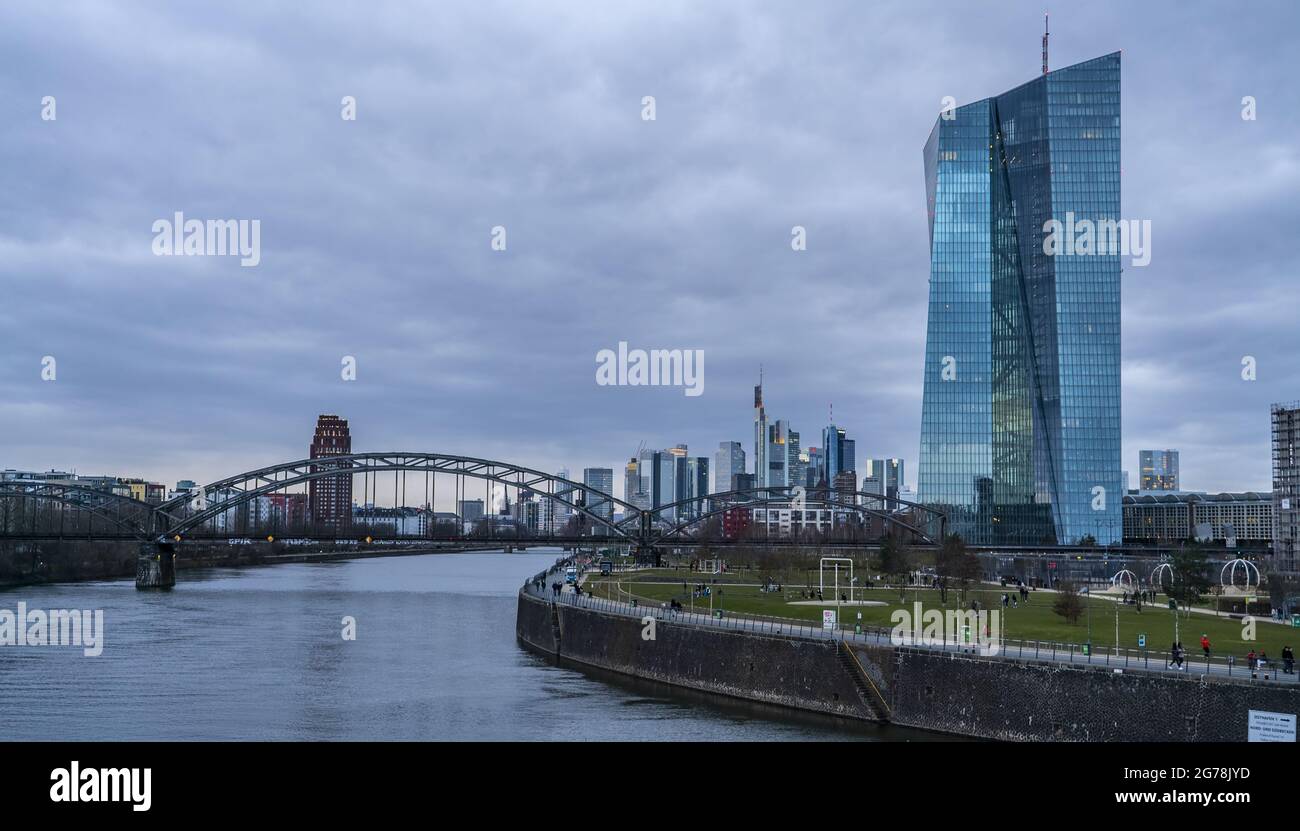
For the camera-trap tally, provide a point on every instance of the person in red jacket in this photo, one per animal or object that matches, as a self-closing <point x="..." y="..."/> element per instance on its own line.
<point x="1205" y="645"/>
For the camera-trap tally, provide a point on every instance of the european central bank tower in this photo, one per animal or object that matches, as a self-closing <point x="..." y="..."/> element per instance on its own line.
<point x="1020" y="421"/>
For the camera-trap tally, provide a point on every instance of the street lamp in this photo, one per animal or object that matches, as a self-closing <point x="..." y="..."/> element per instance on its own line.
<point x="1088" y="591"/>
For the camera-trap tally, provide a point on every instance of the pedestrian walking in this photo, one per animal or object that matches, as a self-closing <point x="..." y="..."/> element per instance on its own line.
<point x="1205" y="645"/>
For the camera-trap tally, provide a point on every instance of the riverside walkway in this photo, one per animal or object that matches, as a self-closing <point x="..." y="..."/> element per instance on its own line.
<point x="1007" y="649"/>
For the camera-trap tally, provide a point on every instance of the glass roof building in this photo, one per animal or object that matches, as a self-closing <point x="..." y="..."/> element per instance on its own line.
<point x="1020" y="424"/>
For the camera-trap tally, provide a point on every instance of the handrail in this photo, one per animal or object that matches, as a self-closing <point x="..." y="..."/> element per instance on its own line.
<point x="862" y="671"/>
<point x="1059" y="652"/>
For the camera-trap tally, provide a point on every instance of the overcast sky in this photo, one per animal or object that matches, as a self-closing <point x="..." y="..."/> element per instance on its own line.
<point x="672" y="233"/>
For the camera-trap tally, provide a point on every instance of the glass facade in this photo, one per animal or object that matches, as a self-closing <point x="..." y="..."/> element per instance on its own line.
<point x="1158" y="470"/>
<point x="1020" y="424"/>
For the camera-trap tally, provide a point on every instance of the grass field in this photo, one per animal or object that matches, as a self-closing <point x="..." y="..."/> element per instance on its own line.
<point x="1033" y="620"/>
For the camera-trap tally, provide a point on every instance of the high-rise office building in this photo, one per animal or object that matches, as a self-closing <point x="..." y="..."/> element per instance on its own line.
<point x="728" y="462"/>
<point x="1158" y="470"/>
<point x="554" y="512"/>
<point x="838" y="453"/>
<point x="331" y="496"/>
<point x="795" y="464"/>
<point x="815" y="469"/>
<point x="632" y="492"/>
<point x="694" y="484"/>
<point x="883" y="477"/>
<point x="664" y="477"/>
<point x="602" y="479"/>
<point x="760" y="435"/>
<point x="1020" y="423"/>
<point x="1286" y="488"/>
<point x="778" y="457"/>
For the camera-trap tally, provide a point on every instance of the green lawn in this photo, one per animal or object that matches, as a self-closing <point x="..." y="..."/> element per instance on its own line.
<point x="1034" y="620"/>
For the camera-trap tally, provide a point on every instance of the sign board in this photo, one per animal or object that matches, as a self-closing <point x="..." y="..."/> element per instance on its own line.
<point x="1264" y="726"/>
<point x="965" y="633"/>
<point x="1087" y="649"/>
<point x="1142" y="639"/>
<point x="1295" y="621"/>
<point x="828" y="618"/>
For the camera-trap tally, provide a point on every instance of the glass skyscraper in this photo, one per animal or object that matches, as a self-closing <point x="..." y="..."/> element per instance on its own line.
<point x="1020" y="423"/>
<point x="1158" y="470"/>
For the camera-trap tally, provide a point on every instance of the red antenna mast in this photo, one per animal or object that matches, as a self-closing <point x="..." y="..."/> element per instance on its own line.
<point x="1045" y="34"/>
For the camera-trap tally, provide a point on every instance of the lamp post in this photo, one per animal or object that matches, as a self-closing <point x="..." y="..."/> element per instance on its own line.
<point x="1116" y="630"/>
<point x="1089" y="593"/>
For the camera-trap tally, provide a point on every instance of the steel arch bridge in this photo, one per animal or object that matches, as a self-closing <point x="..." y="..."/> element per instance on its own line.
<point x="230" y="493"/>
<point x="673" y="522"/>
<point x="132" y="518"/>
<point x="681" y="523"/>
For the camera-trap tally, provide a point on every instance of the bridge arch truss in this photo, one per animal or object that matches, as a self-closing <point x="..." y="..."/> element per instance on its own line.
<point x="665" y="527"/>
<point x="130" y="516"/>
<point x="232" y="492"/>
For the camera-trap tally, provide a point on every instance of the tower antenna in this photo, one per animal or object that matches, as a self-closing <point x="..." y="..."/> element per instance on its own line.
<point x="1045" y="34"/>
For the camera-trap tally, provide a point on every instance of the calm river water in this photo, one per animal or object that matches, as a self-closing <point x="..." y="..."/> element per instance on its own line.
<point x="258" y="653"/>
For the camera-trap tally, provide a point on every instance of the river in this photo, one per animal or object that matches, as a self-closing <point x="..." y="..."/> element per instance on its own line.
<point x="259" y="653"/>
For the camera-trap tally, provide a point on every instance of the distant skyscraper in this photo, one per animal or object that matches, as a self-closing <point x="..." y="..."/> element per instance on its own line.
<point x="837" y="453"/>
<point x="331" y="496"/>
<point x="1158" y="470"/>
<point x="663" y="475"/>
<point x="728" y="461"/>
<point x="554" y="512"/>
<point x="816" y="469"/>
<point x="1286" y="488"/>
<point x="632" y="484"/>
<point x="794" y="460"/>
<point x="760" y="435"/>
<point x="883" y="477"/>
<point x="1020" y="423"/>
<point x="695" y="484"/>
<point x="602" y="479"/>
<point x="778" y="442"/>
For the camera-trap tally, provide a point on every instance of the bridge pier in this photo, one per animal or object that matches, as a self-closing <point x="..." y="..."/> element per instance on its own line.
<point x="648" y="554"/>
<point x="155" y="567"/>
